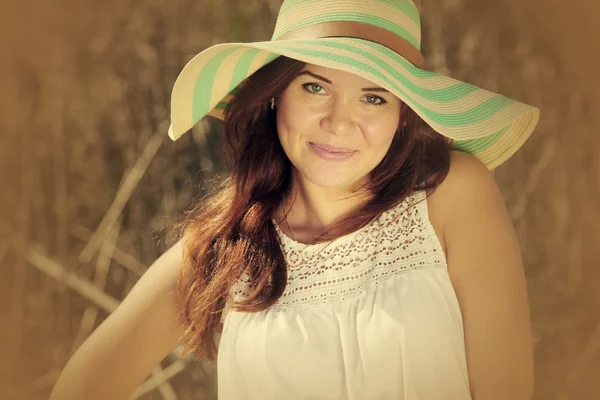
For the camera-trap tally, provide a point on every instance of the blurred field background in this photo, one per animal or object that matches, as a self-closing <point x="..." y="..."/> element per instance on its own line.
<point x="90" y="179"/>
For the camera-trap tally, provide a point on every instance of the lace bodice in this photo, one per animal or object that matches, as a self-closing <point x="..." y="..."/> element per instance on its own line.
<point x="370" y="315"/>
<point x="399" y="240"/>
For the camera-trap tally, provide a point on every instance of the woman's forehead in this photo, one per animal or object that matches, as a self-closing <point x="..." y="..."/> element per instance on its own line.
<point x="338" y="76"/>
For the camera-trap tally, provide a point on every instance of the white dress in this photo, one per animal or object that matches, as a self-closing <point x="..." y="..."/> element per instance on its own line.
<point x="372" y="316"/>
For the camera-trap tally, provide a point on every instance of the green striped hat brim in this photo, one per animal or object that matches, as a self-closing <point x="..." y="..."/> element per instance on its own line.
<point x="486" y="124"/>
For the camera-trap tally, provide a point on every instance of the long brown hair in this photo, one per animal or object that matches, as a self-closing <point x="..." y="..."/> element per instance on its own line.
<point x="231" y="232"/>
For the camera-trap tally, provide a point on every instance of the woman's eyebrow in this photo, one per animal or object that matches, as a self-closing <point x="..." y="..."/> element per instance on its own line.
<point x="315" y="76"/>
<point x="375" y="89"/>
<point x="372" y="89"/>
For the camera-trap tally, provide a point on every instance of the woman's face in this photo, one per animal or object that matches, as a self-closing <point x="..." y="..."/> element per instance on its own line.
<point x="326" y="107"/>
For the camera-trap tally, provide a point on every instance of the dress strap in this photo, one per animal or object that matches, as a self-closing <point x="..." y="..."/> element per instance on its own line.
<point x="422" y="204"/>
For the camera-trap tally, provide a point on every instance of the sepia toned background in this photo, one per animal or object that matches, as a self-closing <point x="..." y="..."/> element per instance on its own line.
<point x="90" y="181"/>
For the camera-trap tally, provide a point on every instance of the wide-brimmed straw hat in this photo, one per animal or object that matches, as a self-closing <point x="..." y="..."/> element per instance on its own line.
<point x="379" y="40"/>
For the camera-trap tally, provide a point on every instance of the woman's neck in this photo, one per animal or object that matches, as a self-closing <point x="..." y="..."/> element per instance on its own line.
<point x="312" y="209"/>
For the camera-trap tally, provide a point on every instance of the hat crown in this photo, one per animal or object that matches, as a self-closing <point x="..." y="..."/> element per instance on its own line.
<point x="400" y="17"/>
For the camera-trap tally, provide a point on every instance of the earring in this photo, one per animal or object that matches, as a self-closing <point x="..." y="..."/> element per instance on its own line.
<point x="272" y="103"/>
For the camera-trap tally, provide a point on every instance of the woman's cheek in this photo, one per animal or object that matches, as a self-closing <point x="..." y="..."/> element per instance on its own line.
<point x="378" y="134"/>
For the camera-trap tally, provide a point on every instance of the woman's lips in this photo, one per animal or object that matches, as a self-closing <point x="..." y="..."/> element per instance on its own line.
<point x="338" y="155"/>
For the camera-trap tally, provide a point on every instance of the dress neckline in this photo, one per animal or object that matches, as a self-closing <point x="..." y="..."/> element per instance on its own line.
<point x="290" y="243"/>
<point x="294" y="244"/>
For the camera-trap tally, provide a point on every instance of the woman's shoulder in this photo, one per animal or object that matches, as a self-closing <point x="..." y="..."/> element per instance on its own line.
<point x="467" y="175"/>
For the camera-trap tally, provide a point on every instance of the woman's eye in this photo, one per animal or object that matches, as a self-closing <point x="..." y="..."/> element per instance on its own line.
<point x="313" y="87"/>
<point x="375" y="100"/>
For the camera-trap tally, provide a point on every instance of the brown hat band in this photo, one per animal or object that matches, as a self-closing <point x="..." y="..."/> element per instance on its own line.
<point x="358" y="30"/>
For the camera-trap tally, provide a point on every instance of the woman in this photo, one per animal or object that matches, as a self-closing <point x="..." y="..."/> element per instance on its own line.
<point x="359" y="247"/>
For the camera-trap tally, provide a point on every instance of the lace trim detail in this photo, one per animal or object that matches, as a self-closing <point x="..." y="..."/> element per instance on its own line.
<point x="401" y="239"/>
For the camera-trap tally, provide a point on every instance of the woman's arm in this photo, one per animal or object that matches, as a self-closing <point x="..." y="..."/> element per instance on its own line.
<point x="486" y="269"/>
<point x="125" y="348"/>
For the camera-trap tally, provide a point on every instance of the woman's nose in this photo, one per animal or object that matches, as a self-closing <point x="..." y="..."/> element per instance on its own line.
<point x="339" y="119"/>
